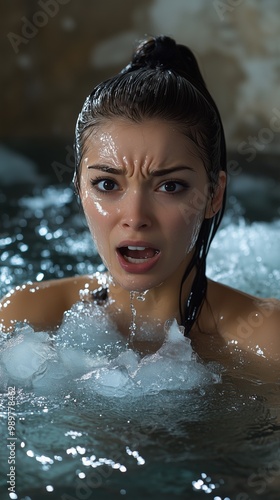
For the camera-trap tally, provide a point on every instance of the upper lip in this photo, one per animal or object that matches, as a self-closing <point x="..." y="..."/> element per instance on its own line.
<point x="137" y="243"/>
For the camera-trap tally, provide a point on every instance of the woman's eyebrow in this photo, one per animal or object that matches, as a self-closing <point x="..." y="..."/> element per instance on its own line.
<point x="106" y="168"/>
<point x="164" y="171"/>
<point x="153" y="173"/>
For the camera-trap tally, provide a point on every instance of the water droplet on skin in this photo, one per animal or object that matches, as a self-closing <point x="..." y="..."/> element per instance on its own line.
<point x="100" y="209"/>
<point x="132" y="326"/>
<point x="140" y="296"/>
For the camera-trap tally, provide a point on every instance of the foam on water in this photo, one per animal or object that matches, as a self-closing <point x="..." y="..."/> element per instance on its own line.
<point x="88" y="353"/>
<point x="246" y="256"/>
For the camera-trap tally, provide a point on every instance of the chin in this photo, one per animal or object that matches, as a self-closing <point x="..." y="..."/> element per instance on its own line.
<point x="136" y="284"/>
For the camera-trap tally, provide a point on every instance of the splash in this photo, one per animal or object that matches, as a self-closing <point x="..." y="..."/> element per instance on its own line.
<point x="88" y="353"/>
<point x="140" y="296"/>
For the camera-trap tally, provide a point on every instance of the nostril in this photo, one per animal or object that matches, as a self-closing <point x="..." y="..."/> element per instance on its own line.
<point x="136" y="224"/>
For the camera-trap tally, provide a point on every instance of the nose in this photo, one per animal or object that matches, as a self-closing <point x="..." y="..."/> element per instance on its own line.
<point x="136" y="211"/>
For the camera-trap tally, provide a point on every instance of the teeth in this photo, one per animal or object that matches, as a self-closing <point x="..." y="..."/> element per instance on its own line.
<point x="136" y="248"/>
<point x="135" y="261"/>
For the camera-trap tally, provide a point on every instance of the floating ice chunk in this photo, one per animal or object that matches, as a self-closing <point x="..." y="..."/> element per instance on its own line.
<point x="79" y="356"/>
<point x="113" y="381"/>
<point x="61" y="372"/>
<point x="129" y="359"/>
<point x="35" y="360"/>
<point x="24" y="356"/>
<point x="115" y="378"/>
<point x="53" y="379"/>
<point x="174" y="366"/>
<point x="110" y="380"/>
<point x="88" y="326"/>
<point x="175" y="332"/>
<point x="75" y="361"/>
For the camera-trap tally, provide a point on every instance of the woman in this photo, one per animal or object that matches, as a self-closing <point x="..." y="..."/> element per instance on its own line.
<point x="151" y="176"/>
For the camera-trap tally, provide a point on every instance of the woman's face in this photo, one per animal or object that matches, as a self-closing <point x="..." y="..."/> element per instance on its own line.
<point x="144" y="191"/>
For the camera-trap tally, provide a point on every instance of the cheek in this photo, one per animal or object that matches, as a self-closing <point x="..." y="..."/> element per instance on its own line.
<point x="93" y="206"/>
<point x="98" y="222"/>
<point x="91" y="200"/>
<point x="97" y="219"/>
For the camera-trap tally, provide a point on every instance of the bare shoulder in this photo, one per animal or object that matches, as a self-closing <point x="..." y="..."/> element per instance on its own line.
<point x="252" y="322"/>
<point x="43" y="304"/>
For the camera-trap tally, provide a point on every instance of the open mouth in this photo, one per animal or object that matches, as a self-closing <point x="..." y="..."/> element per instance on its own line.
<point x="137" y="254"/>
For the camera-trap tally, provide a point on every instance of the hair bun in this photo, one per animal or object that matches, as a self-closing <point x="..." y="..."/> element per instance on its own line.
<point x="164" y="53"/>
<point x="155" y="52"/>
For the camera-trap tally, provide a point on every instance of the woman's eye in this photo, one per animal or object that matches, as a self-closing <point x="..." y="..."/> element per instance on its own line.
<point x="172" y="187"/>
<point x="104" y="185"/>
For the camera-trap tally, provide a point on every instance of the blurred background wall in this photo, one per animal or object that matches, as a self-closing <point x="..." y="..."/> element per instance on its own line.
<point x="54" y="51"/>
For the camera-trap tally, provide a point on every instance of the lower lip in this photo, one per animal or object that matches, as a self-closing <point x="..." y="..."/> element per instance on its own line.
<point x="141" y="268"/>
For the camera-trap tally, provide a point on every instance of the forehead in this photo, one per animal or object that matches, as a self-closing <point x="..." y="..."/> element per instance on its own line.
<point x="146" y="141"/>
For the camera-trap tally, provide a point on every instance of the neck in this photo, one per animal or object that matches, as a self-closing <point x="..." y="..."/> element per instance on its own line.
<point x="151" y="308"/>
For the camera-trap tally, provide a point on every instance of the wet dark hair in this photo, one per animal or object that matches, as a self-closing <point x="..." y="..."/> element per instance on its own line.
<point x="163" y="81"/>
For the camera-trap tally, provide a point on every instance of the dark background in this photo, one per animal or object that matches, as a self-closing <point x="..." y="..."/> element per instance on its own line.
<point x="54" y="51"/>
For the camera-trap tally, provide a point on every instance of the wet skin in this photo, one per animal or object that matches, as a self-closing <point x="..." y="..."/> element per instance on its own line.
<point x="139" y="188"/>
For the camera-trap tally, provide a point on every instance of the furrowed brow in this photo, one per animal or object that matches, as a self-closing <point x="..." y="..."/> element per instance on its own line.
<point x="107" y="169"/>
<point x="165" y="171"/>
